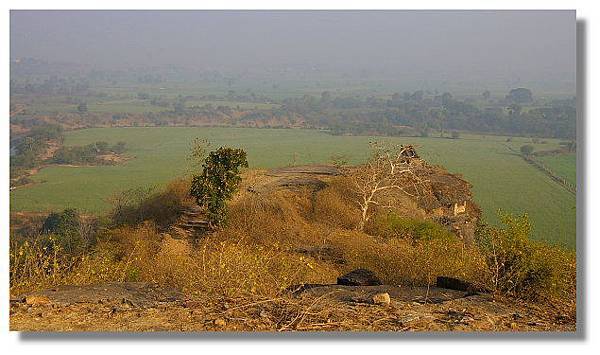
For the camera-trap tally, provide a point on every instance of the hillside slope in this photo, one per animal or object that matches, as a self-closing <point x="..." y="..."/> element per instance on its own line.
<point x="291" y="234"/>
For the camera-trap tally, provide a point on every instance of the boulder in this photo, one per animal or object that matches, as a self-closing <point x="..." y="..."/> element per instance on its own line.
<point x="359" y="277"/>
<point x="34" y="300"/>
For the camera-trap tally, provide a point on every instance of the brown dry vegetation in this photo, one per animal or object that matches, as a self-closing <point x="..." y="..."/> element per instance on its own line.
<point x="276" y="238"/>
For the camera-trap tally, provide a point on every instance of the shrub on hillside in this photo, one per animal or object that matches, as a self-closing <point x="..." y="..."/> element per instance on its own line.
<point x="391" y="225"/>
<point x="521" y="267"/>
<point x="219" y="180"/>
<point x="66" y="228"/>
<point x="164" y="207"/>
<point x="398" y="261"/>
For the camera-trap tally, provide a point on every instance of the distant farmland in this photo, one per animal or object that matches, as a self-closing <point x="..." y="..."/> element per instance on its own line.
<point x="562" y="165"/>
<point x="501" y="179"/>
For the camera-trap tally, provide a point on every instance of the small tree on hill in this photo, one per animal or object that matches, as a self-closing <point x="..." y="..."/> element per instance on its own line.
<point x="219" y="180"/>
<point x="388" y="169"/>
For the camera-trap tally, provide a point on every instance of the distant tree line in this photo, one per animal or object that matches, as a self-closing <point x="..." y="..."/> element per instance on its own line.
<point x="418" y="113"/>
<point x="422" y="114"/>
<point x="50" y="86"/>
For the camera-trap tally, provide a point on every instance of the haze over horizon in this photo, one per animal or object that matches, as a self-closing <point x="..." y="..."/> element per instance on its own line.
<point x="420" y="48"/>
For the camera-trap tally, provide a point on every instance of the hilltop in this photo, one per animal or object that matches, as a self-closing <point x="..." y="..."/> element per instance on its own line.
<point x="291" y="234"/>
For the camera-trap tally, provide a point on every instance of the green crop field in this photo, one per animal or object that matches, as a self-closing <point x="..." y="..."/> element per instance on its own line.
<point x="501" y="179"/>
<point x="563" y="165"/>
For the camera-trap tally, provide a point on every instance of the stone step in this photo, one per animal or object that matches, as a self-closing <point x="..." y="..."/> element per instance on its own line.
<point x="194" y="225"/>
<point x="194" y="221"/>
<point x="192" y="213"/>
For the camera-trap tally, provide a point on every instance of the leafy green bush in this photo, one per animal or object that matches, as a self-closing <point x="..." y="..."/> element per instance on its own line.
<point x="393" y="226"/>
<point x="218" y="182"/>
<point x="65" y="228"/>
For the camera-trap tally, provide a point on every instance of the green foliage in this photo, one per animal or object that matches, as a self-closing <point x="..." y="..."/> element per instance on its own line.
<point x="521" y="267"/>
<point x="393" y="226"/>
<point x="26" y="153"/>
<point x="338" y="160"/>
<point x="526" y="149"/>
<point x="119" y="148"/>
<point x="65" y="227"/>
<point x="102" y="147"/>
<point x="33" y="144"/>
<point x="86" y="154"/>
<point x="218" y="182"/>
<point x="520" y="96"/>
<point x="455" y="134"/>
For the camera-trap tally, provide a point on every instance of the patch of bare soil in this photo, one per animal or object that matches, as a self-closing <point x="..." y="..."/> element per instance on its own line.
<point x="146" y="307"/>
<point x="113" y="158"/>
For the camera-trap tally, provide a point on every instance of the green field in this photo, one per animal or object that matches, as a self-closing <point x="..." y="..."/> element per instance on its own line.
<point x="501" y="179"/>
<point x="562" y="165"/>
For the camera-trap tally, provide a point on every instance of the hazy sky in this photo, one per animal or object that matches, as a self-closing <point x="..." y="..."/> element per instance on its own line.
<point x="527" y="45"/>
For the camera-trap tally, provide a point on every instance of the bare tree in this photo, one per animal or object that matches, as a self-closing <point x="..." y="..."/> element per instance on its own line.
<point x="388" y="169"/>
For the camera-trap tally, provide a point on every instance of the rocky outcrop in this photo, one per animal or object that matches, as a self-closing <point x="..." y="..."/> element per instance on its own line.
<point x="138" y="294"/>
<point x="359" y="277"/>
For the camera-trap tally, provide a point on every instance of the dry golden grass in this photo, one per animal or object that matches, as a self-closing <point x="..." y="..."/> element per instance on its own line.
<point x="161" y="207"/>
<point x="334" y="207"/>
<point x="404" y="262"/>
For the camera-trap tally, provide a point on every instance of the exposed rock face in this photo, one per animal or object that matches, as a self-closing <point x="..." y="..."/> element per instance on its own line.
<point x="449" y="201"/>
<point x="359" y="277"/>
<point x="139" y="294"/>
